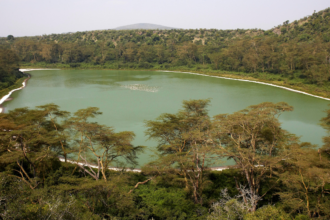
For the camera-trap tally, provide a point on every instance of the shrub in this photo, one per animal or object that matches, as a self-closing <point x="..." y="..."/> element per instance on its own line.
<point x="75" y="65"/>
<point x="268" y="213"/>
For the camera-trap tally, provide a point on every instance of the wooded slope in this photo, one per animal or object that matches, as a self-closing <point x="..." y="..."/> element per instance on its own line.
<point x="297" y="51"/>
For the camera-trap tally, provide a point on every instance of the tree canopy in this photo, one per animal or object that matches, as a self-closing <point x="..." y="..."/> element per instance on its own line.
<point x="272" y="167"/>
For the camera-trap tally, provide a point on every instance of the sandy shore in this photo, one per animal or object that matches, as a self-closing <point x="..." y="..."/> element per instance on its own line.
<point x="95" y="166"/>
<point x="245" y="80"/>
<point x="27" y="70"/>
<point x="7" y="97"/>
<point x="128" y="169"/>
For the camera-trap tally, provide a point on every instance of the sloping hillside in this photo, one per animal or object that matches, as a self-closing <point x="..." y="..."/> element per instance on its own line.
<point x="306" y="29"/>
<point x="143" y="36"/>
<point x="296" y="53"/>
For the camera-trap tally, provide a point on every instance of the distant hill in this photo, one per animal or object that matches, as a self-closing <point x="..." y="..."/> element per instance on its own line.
<point x="144" y="26"/>
<point x="296" y="53"/>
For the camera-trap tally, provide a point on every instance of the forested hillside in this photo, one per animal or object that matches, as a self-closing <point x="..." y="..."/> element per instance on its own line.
<point x="297" y="53"/>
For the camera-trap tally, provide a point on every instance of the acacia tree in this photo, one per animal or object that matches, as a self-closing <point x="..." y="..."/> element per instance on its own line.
<point x="30" y="143"/>
<point x="216" y="59"/>
<point x="326" y="140"/>
<point x="253" y="138"/>
<point x="8" y="60"/>
<point x="185" y="143"/>
<point x="27" y="139"/>
<point x="306" y="176"/>
<point x="52" y="113"/>
<point x="102" y="142"/>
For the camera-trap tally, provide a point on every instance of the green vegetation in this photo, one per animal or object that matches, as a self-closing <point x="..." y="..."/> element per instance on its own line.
<point x="293" y="54"/>
<point x="9" y="74"/>
<point x="17" y="84"/>
<point x="275" y="177"/>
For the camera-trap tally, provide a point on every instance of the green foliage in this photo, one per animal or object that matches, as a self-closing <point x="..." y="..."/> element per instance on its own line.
<point x="285" y="50"/>
<point x="164" y="203"/>
<point x="10" y="37"/>
<point x="16" y="85"/>
<point x="184" y="144"/>
<point x="34" y="184"/>
<point x="254" y="139"/>
<point x="74" y="65"/>
<point x="234" y="209"/>
<point x="9" y="73"/>
<point x="268" y="212"/>
<point x="231" y="210"/>
<point x="301" y="217"/>
<point x="298" y="51"/>
<point x="222" y="180"/>
<point x="274" y="166"/>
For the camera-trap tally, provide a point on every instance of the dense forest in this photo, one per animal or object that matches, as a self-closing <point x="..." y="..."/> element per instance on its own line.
<point x="275" y="176"/>
<point x="54" y="164"/>
<point x="296" y="53"/>
<point x="9" y="64"/>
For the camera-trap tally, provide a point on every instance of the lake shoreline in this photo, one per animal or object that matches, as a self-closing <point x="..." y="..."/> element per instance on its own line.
<point x="268" y="83"/>
<point x="8" y="98"/>
<point x="224" y="75"/>
<point x="155" y="74"/>
<point x="252" y="81"/>
<point x="136" y="170"/>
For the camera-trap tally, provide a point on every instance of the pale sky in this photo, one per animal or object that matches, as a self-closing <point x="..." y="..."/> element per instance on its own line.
<point x="38" y="17"/>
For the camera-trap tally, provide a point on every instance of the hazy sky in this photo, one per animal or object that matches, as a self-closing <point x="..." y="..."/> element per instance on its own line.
<point x="37" y="17"/>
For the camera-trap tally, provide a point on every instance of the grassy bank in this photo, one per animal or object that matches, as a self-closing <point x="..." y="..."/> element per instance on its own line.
<point x="293" y="82"/>
<point x="17" y="84"/>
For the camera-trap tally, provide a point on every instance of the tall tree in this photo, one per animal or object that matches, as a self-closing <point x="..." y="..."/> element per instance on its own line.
<point x="254" y="139"/>
<point x="185" y="144"/>
<point x="306" y="177"/>
<point x="28" y="138"/>
<point x="102" y="142"/>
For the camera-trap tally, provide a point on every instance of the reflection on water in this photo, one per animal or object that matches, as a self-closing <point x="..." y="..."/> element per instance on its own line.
<point x="128" y="108"/>
<point x="101" y="78"/>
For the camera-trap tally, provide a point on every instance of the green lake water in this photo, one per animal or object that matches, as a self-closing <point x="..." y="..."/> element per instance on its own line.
<point x="127" y="98"/>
